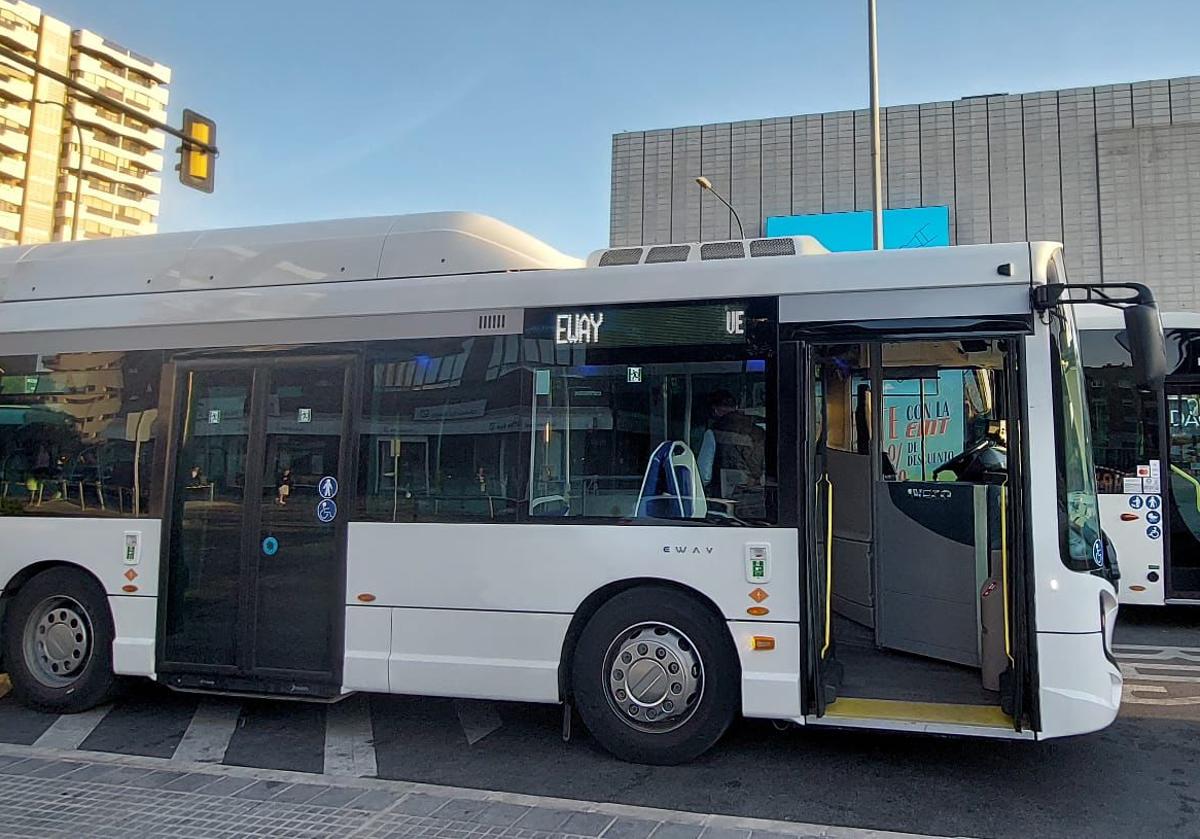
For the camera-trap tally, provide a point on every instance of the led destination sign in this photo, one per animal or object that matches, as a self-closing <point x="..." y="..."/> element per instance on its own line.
<point x="658" y="326"/>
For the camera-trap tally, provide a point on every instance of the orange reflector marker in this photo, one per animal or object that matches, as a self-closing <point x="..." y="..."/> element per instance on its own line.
<point x="1137" y="588"/>
<point x="130" y="589"/>
<point x="758" y="611"/>
<point x="365" y="597"/>
<point x="764" y="642"/>
<point x="1129" y="516"/>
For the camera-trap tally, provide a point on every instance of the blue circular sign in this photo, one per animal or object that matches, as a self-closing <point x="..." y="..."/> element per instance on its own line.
<point x="327" y="487"/>
<point x="1098" y="553"/>
<point x="326" y="510"/>
<point x="1153" y="516"/>
<point x="270" y="546"/>
<point x="1154" y="531"/>
<point x="1153" y="502"/>
<point x="1135" y="502"/>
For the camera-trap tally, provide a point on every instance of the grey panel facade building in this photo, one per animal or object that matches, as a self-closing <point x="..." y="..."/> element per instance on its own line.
<point x="1112" y="171"/>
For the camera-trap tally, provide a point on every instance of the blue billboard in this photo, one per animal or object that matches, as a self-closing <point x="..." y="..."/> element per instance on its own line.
<point x="912" y="227"/>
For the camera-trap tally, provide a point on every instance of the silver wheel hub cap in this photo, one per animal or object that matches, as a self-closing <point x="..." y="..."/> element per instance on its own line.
<point x="655" y="677"/>
<point x="57" y="641"/>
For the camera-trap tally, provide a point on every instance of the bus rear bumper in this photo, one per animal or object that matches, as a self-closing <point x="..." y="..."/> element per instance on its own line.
<point x="1080" y="688"/>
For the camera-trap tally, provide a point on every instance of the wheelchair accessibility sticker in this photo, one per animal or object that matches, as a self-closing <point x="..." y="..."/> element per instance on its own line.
<point x="326" y="510"/>
<point x="1154" y="531"/>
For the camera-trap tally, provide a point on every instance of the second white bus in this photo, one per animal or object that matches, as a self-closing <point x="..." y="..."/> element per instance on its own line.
<point x="1147" y="451"/>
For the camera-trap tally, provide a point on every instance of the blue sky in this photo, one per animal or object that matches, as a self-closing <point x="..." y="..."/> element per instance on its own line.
<point x="331" y="109"/>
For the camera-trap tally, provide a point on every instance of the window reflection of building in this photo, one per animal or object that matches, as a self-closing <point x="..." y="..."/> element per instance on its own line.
<point x="441" y="435"/>
<point x="73" y="429"/>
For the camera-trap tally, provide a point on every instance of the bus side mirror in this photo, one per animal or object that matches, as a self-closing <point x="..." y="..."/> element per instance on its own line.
<point x="1143" y="330"/>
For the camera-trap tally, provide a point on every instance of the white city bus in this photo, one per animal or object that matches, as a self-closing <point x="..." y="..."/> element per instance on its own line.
<point x="1147" y="452"/>
<point x="431" y="455"/>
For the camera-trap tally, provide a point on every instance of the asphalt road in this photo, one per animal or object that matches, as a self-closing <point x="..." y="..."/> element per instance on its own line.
<point x="1139" y="778"/>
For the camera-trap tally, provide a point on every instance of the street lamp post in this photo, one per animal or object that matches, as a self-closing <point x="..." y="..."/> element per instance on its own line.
<point x="78" y="165"/>
<point x="876" y="173"/>
<point x="705" y="184"/>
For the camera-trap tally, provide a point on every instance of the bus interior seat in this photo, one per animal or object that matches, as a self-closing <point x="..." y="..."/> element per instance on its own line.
<point x="671" y="487"/>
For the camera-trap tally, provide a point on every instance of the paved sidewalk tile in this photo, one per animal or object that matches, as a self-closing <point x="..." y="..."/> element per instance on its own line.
<point x="185" y="783"/>
<point x="419" y="804"/>
<point x="677" y="831"/>
<point x="724" y="833"/>
<point x="299" y="793"/>
<point x="587" y="824"/>
<point x="127" y="798"/>
<point x="336" y="797"/>
<point x="462" y="809"/>
<point x="262" y="790"/>
<point x="227" y="785"/>
<point x="544" y="818"/>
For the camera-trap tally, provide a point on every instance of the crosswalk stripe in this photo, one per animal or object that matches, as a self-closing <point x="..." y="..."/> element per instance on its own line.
<point x="70" y="730"/>
<point x="350" y="739"/>
<point x="208" y="734"/>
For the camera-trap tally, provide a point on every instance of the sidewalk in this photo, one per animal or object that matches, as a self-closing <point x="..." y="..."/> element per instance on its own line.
<point x="46" y="793"/>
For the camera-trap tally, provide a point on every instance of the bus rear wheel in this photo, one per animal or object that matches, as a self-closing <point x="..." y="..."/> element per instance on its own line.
<point x="58" y="639"/>
<point x="655" y="677"/>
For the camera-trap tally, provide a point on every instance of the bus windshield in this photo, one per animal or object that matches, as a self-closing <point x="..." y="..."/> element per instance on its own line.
<point x="1078" y="507"/>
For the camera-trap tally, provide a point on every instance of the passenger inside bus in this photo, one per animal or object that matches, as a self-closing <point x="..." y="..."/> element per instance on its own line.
<point x="916" y="559"/>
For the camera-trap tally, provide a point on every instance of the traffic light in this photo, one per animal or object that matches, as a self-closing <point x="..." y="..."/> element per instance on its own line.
<point x="196" y="166"/>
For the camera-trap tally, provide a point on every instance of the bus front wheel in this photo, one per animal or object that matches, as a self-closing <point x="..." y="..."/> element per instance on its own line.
<point x="655" y="676"/>
<point x="58" y="639"/>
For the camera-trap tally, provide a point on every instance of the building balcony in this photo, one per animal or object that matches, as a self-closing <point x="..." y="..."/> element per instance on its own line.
<point x="150" y="160"/>
<point x="115" y="219"/>
<point x="12" y="194"/>
<point x="86" y="63"/>
<point x="13" y="140"/>
<point x="10" y="221"/>
<point x="13" y="167"/>
<point x="15" y="113"/>
<point x="120" y="171"/>
<point x="15" y="35"/>
<point x="82" y="39"/>
<point x="117" y="194"/>
<point x="87" y="113"/>
<point x="14" y="85"/>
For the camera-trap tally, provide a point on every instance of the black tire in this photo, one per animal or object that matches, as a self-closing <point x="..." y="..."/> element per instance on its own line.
<point x="643" y="613"/>
<point x="82" y="611"/>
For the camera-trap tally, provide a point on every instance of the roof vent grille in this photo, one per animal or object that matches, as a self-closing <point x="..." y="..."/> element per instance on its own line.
<point x="492" y="323"/>
<point x="621" y="256"/>
<point x="722" y="250"/>
<point x="668" y="253"/>
<point x="773" y="247"/>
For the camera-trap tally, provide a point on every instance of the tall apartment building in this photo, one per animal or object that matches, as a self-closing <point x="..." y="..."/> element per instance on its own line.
<point x="1112" y="171"/>
<point x="42" y="124"/>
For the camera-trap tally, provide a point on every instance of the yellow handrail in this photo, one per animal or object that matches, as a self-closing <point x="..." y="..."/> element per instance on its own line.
<point x="1195" y="484"/>
<point x="828" y="563"/>
<point x="1004" y="568"/>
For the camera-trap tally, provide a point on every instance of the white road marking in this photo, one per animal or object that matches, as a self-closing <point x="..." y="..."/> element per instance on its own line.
<point x="208" y="734"/>
<point x="350" y="739"/>
<point x="70" y="730"/>
<point x="1149" y="669"/>
<point x="478" y="718"/>
<point x="1142" y="652"/>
